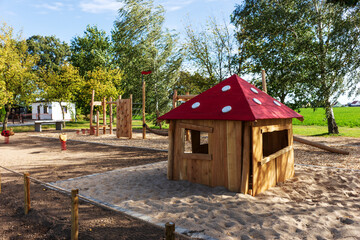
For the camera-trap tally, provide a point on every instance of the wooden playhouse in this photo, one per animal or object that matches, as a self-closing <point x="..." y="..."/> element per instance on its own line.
<point x="241" y="138"/>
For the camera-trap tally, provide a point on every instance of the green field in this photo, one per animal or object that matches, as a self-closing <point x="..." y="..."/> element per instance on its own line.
<point x="344" y="116"/>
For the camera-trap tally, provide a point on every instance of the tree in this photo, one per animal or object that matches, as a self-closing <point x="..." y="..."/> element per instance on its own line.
<point x="91" y="51"/>
<point x="51" y="52"/>
<point x="61" y="85"/>
<point x="106" y="82"/>
<point x="194" y="83"/>
<point x="141" y="44"/>
<point x="16" y="75"/>
<point x="308" y="48"/>
<point x="212" y="50"/>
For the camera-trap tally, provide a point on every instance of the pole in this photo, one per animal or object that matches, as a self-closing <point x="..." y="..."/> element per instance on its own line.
<point x="91" y="112"/>
<point x="74" y="214"/>
<point x="143" y="108"/>
<point x="97" y="123"/>
<point x="104" y="115"/>
<point x="111" y="116"/>
<point x="27" y="205"/>
<point x="263" y="81"/>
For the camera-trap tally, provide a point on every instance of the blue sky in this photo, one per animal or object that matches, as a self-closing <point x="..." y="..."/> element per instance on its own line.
<point x="68" y="18"/>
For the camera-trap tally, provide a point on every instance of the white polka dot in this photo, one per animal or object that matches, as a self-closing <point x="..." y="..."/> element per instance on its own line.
<point x="257" y="101"/>
<point x="195" y="105"/>
<point x="226" y="109"/>
<point x="226" y="88"/>
<point x="254" y="90"/>
<point x="277" y="103"/>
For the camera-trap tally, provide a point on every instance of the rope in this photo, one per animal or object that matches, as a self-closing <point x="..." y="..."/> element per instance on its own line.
<point x="154" y="131"/>
<point x="88" y="200"/>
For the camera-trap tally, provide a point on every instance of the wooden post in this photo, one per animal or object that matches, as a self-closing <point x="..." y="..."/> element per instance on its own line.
<point x="187" y="132"/>
<point x="27" y="205"/>
<point x="143" y="109"/>
<point x="174" y="99"/>
<point x="0" y="182"/>
<point x="320" y="145"/>
<point x="170" y="231"/>
<point x="91" y="111"/>
<point x="104" y="115"/>
<point x="111" y="115"/>
<point x="131" y="102"/>
<point x="263" y="81"/>
<point x="74" y="214"/>
<point x="97" y="123"/>
<point x="170" y="169"/>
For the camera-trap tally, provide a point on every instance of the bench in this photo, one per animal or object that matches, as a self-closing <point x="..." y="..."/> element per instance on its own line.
<point x="58" y="123"/>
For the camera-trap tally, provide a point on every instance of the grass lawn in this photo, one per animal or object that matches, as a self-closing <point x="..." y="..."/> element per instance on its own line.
<point x="344" y="116"/>
<point x="323" y="131"/>
<point x="314" y="124"/>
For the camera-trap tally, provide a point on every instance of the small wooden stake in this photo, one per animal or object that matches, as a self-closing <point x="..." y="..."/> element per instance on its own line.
<point x="170" y="231"/>
<point x="27" y="193"/>
<point x="97" y="123"/>
<point x="74" y="214"/>
<point x="0" y="183"/>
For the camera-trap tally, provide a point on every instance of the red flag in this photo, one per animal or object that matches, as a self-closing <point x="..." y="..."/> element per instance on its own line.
<point x="145" y="72"/>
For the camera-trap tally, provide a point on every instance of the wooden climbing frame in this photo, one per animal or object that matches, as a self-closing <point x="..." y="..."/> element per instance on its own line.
<point x="123" y="116"/>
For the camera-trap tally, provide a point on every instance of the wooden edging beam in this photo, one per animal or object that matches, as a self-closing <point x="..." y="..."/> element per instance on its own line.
<point x="320" y="145"/>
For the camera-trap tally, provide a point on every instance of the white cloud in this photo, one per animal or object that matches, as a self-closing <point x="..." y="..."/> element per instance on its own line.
<point x="171" y="6"/>
<point x="100" y="6"/>
<point x="56" y="6"/>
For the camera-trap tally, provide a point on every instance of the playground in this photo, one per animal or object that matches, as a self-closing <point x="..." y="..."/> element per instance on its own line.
<point x="320" y="200"/>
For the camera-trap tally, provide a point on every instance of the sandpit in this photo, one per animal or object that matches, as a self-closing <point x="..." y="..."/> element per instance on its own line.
<point x="320" y="202"/>
<point x="317" y="203"/>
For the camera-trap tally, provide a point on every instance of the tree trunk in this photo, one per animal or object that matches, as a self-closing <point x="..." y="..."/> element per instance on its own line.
<point x="332" y="126"/>
<point x="7" y="114"/>
<point x="63" y="114"/>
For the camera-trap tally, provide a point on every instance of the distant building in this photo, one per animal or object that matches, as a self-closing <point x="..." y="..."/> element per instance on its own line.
<point x="52" y="111"/>
<point x="355" y="104"/>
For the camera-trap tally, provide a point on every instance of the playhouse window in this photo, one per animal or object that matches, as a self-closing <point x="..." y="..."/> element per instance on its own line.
<point x="274" y="141"/>
<point x="65" y="109"/>
<point x="198" y="142"/>
<point x="46" y="109"/>
<point x="198" y="147"/>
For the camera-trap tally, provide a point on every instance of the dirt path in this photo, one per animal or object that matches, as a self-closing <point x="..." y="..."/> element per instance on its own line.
<point x="50" y="214"/>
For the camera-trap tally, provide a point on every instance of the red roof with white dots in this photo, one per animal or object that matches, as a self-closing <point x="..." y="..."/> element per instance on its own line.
<point x="232" y="99"/>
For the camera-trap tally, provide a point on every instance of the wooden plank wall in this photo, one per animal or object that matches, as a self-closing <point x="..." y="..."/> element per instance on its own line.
<point x="279" y="169"/>
<point x="225" y="146"/>
<point x="124" y="118"/>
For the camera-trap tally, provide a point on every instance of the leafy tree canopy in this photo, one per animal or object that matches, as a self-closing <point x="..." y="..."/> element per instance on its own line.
<point x="309" y="48"/>
<point x="92" y="50"/>
<point x="141" y="44"/>
<point x="50" y="50"/>
<point x="17" y="83"/>
<point x="212" y="50"/>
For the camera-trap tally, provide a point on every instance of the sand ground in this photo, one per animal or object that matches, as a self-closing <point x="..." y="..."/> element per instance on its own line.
<point x="318" y="203"/>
